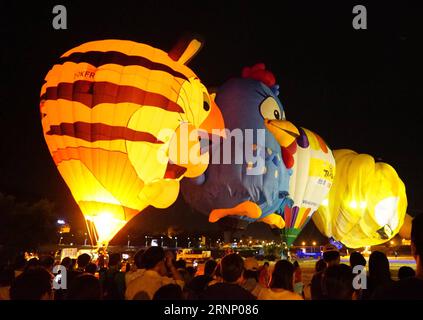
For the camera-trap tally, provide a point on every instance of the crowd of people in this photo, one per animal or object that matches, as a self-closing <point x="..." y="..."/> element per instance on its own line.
<point x="156" y="275"/>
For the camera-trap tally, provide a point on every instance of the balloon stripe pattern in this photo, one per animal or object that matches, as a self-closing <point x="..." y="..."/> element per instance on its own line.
<point x="98" y="58"/>
<point x="110" y="111"/>
<point x="107" y="92"/>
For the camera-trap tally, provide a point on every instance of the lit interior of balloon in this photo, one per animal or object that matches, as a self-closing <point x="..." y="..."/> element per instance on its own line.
<point x="386" y="212"/>
<point x="107" y="226"/>
<point x="361" y="204"/>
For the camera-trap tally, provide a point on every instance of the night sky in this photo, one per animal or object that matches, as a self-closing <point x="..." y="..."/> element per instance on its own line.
<point x="356" y="88"/>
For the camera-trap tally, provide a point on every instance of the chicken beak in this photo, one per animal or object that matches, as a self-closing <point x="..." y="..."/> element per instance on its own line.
<point x="283" y="131"/>
<point x="214" y="123"/>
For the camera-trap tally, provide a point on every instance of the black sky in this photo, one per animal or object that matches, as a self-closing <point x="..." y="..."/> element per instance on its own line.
<point x="358" y="89"/>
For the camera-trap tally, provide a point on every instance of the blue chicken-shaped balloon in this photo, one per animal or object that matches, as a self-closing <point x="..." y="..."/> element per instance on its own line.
<point x="252" y="182"/>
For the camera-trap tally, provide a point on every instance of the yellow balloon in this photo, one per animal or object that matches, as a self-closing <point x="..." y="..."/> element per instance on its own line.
<point x="367" y="202"/>
<point x="185" y="150"/>
<point x="109" y="110"/>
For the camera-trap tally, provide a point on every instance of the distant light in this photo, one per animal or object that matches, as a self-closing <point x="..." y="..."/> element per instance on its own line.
<point x="325" y="202"/>
<point x="314" y="243"/>
<point x="353" y="204"/>
<point x="61" y="221"/>
<point x="392" y="242"/>
<point x="303" y="243"/>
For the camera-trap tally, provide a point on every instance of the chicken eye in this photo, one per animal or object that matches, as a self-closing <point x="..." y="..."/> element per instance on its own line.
<point x="270" y="109"/>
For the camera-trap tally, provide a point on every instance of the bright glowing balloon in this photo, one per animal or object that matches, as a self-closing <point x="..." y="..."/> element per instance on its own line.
<point x="367" y="203"/>
<point x="110" y="110"/>
<point x="252" y="183"/>
<point x="313" y="167"/>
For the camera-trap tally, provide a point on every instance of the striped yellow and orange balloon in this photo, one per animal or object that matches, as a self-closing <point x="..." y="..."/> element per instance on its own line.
<point x="110" y="110"/>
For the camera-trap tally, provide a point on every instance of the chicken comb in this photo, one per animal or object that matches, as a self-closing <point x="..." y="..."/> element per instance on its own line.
<point x="258" y="72"/>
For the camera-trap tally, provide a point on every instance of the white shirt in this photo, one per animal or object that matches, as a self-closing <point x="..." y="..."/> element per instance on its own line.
<point x="132" y="275"/>
<point x="146" y="285"/>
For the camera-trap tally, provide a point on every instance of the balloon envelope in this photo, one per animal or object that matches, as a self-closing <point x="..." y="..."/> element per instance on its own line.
<point x="313" y="173"/>
<point x="367" y="203"/>
<point x="250" y="180"/>
<point x="110" y="110"/>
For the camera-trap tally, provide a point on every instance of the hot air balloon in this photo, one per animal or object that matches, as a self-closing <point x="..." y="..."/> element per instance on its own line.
<point x="111" y="110"/>
<point x="241" y="190"/>
<point x="367" y="203"/>
<point x="313" y="167"/>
